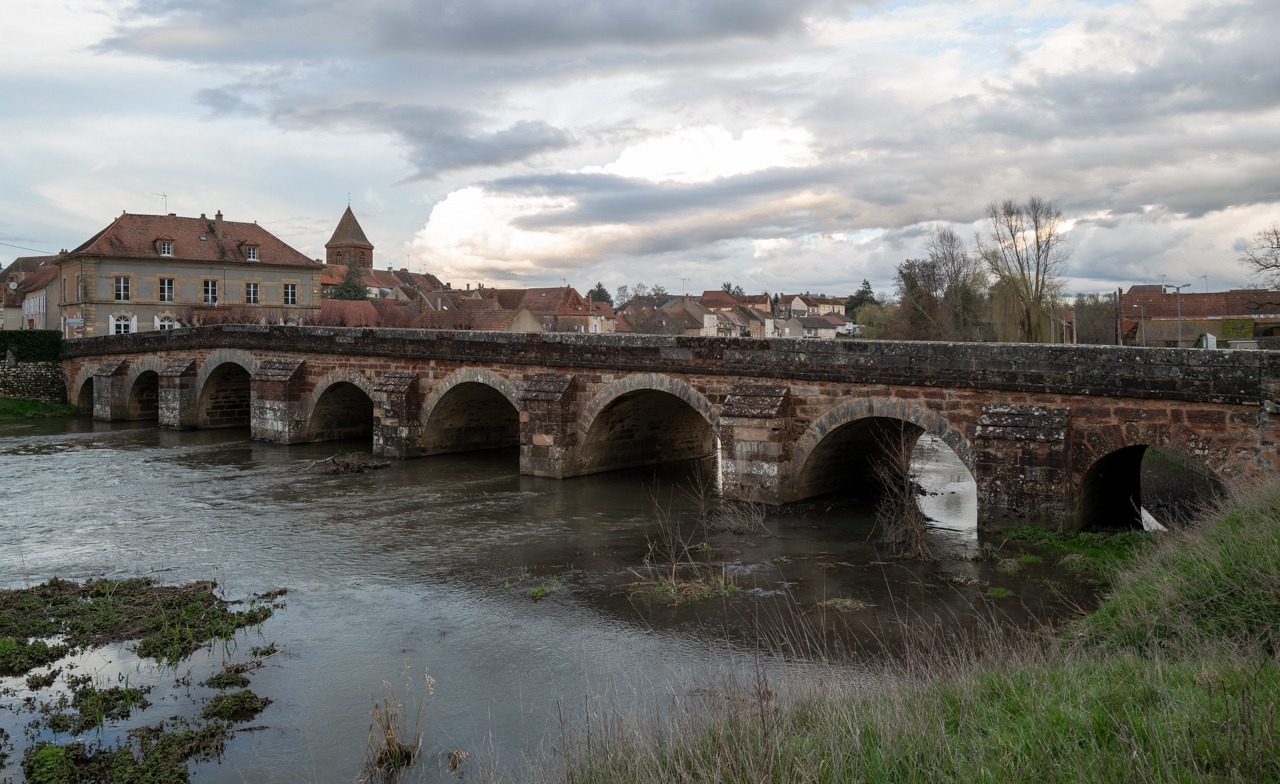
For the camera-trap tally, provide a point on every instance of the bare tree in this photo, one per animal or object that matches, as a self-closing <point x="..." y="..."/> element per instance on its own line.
<point x="1263" y="259"/>
<point x="1026" y="256"/>
<point x="962" y="280"/>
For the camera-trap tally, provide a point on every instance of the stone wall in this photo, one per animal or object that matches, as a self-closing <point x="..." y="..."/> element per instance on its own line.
<point x="33" y="381"/>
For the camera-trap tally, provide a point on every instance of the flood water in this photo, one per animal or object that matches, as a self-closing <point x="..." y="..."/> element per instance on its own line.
<point x="429" y="564"/>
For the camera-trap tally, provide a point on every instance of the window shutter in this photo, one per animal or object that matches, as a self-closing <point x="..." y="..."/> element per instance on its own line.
<point x="133" y="324"/>
<point x="155" y="323"/>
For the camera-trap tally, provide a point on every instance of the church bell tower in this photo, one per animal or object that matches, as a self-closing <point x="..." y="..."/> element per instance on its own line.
<point x="348" y="242"/>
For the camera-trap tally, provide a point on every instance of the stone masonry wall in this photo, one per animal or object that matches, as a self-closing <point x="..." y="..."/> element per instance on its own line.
<point x="33" y="381"/>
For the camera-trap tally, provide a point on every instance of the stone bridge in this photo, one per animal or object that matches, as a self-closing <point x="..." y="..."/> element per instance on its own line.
<point x="1051" y="432"/>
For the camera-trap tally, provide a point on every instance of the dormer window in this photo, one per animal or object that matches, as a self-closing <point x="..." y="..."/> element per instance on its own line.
<point x="251" y="252"/>
<point x="165" y="247"/>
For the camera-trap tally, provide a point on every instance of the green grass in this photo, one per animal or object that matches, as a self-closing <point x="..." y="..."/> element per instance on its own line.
<point x="18" y="408"/>
<point x="19" y="655"/>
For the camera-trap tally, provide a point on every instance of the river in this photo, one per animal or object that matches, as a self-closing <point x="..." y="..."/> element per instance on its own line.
<point x="429" y="564"/>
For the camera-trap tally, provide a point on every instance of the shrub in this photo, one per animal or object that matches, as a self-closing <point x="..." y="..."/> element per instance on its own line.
<point x="32" y="345"/>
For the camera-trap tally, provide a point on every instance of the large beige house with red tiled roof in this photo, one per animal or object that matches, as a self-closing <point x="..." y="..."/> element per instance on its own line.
<point x="142" y="272"/>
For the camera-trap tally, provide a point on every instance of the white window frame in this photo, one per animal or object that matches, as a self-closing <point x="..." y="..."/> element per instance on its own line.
<point x="165" y="293"/>
<point x="289" y="293"/>
<point x="252" y="293"/>
<point x="210" y="291"/>
<point x="164" y="323"/>
<point x="123" y="288"/>
<point x="166" y="248"/>
<point x="251" y="253"/>
<point x="121" y="321"/>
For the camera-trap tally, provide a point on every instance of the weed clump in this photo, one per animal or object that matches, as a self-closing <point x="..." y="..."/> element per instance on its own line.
<point x="91" y="706"/>
<point x="236" y="707"/>
<point x="19" y="655"/>
<point x="845" y="605"/>
<point x="170" y="622"/>
<point x="149" y="754"/>
<point x="38" y="682"/>
<point x="226" y="680"/>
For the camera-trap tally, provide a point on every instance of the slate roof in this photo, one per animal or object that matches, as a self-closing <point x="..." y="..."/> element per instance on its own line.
<point x="348" y="233"/>
<point x="134" y="237"/>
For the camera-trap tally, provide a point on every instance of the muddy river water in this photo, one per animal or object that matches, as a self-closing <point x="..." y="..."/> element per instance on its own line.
<point x="429" y="564"/>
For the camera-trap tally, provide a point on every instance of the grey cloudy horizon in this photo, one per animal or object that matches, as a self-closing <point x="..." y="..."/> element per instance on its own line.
<point x="783" y="146"/>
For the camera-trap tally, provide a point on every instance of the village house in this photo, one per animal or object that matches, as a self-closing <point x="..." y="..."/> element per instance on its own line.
<point x="1149" y="316"/>
<point x="808" y="327"/>
<point x="141" y="271"/>
<point x="12" y="294"/>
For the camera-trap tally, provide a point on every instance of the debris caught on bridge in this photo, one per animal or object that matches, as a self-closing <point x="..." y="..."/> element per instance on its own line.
<point x="346" y="463"/>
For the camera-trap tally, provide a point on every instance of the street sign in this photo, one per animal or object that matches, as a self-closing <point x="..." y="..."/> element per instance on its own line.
<point x="79" y="331"/>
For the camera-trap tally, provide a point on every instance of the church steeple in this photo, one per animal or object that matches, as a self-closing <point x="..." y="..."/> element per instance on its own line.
<point x="348" y="242"/>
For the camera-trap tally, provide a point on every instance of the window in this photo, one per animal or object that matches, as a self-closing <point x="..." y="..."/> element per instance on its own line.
<point x="166" y="248"/>
<point x="121" y="325"/>
<point x="251" y="293"/>
<point x="211" y="292"/>
<point x="251" y="253"/>
<point x="291" y="293"/>
<point x="167" y="322"/>
<point x="122" y="288"/>
<point x="166" y="289"/>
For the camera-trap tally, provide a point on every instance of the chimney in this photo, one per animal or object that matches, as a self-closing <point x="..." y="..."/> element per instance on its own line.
<point x="468" y="287"/>
<point x="217" y="224"/>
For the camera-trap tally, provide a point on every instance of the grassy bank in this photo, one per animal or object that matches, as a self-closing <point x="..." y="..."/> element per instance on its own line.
<point x="18" y="408"/>
<point x="1174" y="678"/>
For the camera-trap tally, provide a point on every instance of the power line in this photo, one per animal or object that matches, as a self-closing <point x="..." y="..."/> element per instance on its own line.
<point x="36" y="250"/>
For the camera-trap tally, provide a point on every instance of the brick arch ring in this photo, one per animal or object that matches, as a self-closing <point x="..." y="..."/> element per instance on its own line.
<point x="654" y="381"/>
<point x="1107" y="440"/>
<point x="220" y="357"/>
<point x="336" y="377"/>
<point x="84" y="375"/>
<point x="144" y="365"/>
<point x="932" y="422"/>
<point x="468" y="376"/>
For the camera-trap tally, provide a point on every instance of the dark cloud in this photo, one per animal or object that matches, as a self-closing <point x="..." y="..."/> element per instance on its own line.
<point x="261" y="31"/>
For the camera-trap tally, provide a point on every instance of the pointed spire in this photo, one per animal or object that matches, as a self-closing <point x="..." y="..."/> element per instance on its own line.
<point x="348" y="232"/>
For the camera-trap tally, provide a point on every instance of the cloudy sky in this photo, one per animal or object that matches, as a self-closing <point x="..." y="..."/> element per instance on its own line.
<point x="796" y="146"/>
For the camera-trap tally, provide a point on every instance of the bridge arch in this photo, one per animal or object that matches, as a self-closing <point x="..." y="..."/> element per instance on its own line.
<point x="143" y="387"/>
<point x="1125" y="469"/>
<point x="471" y="410"/>
<point x="340" y="407"/>
<point x="852" y="441"/>
<point x="223" y="384"/>
<point x="643" y="419"/>
<point x="81" y="391"/>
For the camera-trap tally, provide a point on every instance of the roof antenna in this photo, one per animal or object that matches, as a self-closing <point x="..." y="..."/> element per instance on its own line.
<point x="164" y="196"/>
<point x="348" y="198"/>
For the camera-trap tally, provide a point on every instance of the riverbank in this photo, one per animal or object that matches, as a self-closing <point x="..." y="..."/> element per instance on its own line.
<point x="15" y="408"/>
<point x="1174" y="677"/>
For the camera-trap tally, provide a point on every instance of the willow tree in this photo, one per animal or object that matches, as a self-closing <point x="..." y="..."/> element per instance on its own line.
<point x="1026" y="255"/>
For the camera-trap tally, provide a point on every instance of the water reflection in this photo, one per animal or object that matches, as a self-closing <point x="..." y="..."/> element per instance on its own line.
<point x="429" y="562"/>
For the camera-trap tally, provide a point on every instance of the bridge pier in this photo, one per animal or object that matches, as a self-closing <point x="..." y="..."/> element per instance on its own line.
<point x="397" y="409"/>
<point x="111" y="391"/>
<point x="179" y="396"/>
<point x="278" y="401"/>
<point x="550" y="404"/>
<point x="1022" y="465"/>
<point x="756" y="442"/>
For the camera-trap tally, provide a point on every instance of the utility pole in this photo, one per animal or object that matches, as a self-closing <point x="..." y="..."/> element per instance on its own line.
<point x="684" y="287"/>
<point x="1206" y="283"/>
<point x="1178" y="291"/>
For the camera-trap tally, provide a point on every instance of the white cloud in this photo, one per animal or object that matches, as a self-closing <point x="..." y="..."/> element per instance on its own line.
<point x="709" y="152"/>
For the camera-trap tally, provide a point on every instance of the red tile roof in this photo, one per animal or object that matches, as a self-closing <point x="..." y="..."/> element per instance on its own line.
<point x="603" y="309"/>
<point x="134" y="237"/>
<point x="42" y="277"/>
<point x="487" y="320"/>
<point x="717" y="300"/>
<point x="560" y="301"/>
<point x="1239" y="303"/>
